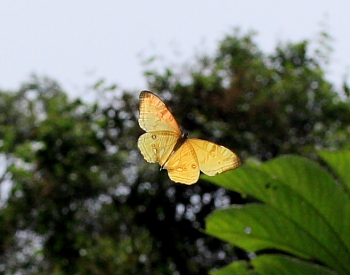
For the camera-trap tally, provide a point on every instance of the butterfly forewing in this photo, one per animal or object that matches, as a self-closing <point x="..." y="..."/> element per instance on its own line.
<point x="155" y="116"/>
<point x="213" y="158"/>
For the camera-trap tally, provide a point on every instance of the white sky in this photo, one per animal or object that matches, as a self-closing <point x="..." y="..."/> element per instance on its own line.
<point x="77" y="42"/>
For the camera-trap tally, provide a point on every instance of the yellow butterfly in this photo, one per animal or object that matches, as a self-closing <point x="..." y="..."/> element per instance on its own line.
<point x="166" y="144"/>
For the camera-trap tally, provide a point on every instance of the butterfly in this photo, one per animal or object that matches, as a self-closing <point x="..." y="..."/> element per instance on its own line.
<point x="165" y="143"/>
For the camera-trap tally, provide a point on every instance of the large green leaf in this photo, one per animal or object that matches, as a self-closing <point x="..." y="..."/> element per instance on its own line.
<point x="305" y="211"/>
<point x="257" y="227"/>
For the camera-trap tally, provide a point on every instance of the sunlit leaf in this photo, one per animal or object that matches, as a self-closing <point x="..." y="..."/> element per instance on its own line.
<point x="305" y="212"/>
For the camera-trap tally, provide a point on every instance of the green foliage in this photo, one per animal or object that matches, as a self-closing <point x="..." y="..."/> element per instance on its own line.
<point x="60" y="171"/>
<point x="77" y="196"/>
<point x="261" y="105"/>
<point x="304" y="212"/>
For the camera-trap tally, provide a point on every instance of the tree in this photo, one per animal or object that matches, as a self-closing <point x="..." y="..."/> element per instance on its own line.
<point x="84" y="201"/>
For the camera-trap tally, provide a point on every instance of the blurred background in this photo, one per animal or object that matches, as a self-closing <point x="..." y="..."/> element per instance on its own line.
<point x="262" y="78"/>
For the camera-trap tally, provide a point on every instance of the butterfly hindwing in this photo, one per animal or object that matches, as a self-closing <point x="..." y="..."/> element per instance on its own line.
<point x="183" y="166"/>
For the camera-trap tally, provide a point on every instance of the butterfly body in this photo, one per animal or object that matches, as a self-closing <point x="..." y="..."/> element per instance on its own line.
<point x="165" y="143"/>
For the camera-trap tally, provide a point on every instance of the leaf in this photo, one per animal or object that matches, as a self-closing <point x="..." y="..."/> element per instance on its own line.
<point x="237" y="268"/>
<point x="306" y="213"/>
<point x="339" y="162"/>
<point x="285" y="265"/>
<point x="275" y="264"/>
<point x="99" y="83"/>
<point x="257" y="227"/>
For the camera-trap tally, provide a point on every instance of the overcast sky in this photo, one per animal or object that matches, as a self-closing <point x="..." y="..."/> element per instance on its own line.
<point x="77" y="42"/>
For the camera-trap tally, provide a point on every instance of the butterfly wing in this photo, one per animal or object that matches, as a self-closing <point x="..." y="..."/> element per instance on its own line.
<point x="165" y="143"/>
<point x="213" y="158"/>
<point x="163" y="132"/>
<point x="155" y="116"/>
<point x="183" y="166"/>
<point x="157" y="146"/>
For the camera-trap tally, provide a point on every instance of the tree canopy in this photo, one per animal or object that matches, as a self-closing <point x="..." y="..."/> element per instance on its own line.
<point x="77" y="196"/>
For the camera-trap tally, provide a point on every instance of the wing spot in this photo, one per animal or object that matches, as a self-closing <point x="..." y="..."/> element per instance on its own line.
<point x="154" y="136"/>
<point x="179" y="169"/>
<point x="194" y="166"/>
